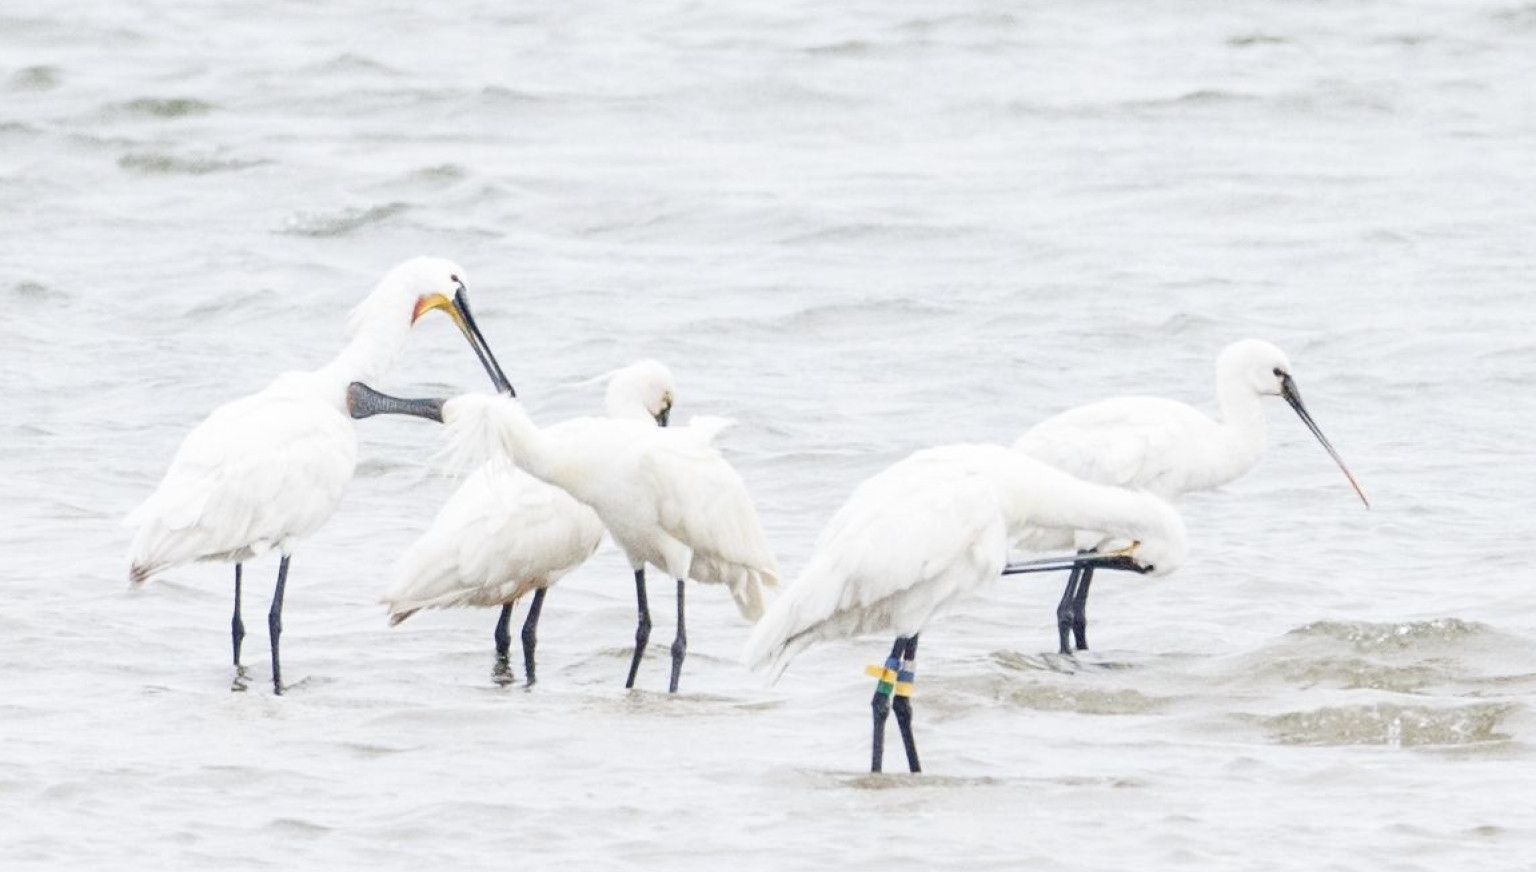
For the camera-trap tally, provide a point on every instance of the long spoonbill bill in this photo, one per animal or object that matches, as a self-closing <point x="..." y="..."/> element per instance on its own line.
<point x="263" y="472"/>
<point x="930" y="529"/>
<point x="504" y="533"/>
<point x="1168" y="448"/>
<point x="666" y="495"/>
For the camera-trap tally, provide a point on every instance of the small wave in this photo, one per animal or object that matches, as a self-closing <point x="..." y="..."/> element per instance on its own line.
<point x="1391" y="725"/>
<point x="156" y="163"/>
<point x="1243" y="40"/>
<point x="341" y="223"/>
<point x="37" y="292"/>
<point x="1367" y="637"/>
<point x="37" y="78"/>
<point x="165" y="107"/>
<point x="848" y="48"/>
<point x="349" y="62"/>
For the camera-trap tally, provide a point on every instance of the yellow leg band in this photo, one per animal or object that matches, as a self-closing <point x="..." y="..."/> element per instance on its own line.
<point x="903" y="688"/>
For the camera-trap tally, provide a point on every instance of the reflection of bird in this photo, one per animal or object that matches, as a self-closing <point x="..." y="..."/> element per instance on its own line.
<point x="666" y="495"/>
<point x="1167" y="447"/>
<point x="267" y="470"/>
<point x="504" y="533"/>
<point x="924" y="532"/>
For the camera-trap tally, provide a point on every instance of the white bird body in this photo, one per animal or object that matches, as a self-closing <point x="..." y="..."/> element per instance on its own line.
<point x="501" y="535"/>
<point x="666" y="495"/>
<point x="505" y="533"/>
<point x="935" y="526"/>
<point x="265" y="471"/>
<point x="260" y="473"/>
<point x="1165" y="446"/>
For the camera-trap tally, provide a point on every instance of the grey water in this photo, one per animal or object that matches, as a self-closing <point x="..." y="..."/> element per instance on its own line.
<point x="858" y="229"/>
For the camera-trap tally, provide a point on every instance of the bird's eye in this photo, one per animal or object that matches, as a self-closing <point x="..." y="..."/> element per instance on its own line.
<point x="455" y="280"/>
<point x="1279" y="373"/>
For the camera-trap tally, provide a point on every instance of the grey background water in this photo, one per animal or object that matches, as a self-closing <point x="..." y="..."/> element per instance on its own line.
<point x="859" y="229"/>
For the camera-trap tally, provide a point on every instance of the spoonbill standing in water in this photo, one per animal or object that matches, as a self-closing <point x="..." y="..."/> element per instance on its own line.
<point x="1167" y="447"/>
<point x="666" y="495"/>
<point x="932" y="528"/>
<point x="263" y="472"/>
<point x="504" y="533"/>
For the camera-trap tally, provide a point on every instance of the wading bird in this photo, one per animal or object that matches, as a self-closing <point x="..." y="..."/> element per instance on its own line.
<point x="504" y="533"/>
<point x="930" y="529"/>
<point x="263" y="472"/>
<point x="666" y="495"/>
<point x="1167" y="447"/>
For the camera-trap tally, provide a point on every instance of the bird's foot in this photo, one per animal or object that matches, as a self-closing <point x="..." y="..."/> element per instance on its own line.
<point x="1127" y="551"/>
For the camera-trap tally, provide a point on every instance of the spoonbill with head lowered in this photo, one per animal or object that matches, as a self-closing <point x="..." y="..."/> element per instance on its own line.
<point x="930" y="529"/>
<point x="1168" y="447"/>
<point x="666" y="495"/>
<point x="504" y="533"/>
<point x="263" y="472"/>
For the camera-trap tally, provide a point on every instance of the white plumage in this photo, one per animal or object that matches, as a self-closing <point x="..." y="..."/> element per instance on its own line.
<point x="263" y="472"/>
<point x="666" y="495"/>
<point x="504" y="533"/>
<point x="927" y="531"/>
<point x="933" y="527"/>
<point x="1167" y="447"/>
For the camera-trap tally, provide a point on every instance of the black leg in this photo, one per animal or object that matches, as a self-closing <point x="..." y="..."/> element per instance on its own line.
<point x="237" y="626"/>
<point x="1080" y="610"/>
<point x="902" y="706"/>
<point x="642" y="628"/>
<point x="1065" y="607"/>
<point x="680" y="643"/>
<point x="531" y="633"/>
<point x="501" y="670"/>
<point x="881" y="704"/>
<point x="501" y="636"/>
<point x="275" y="624"/>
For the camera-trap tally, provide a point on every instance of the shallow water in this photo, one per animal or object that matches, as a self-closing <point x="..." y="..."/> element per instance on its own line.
<point x="858" y="230"/>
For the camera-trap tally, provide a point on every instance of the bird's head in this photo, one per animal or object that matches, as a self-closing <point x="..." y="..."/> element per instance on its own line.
<point x="1164" y="547"/>
<point x="1266" y="368"/>
<point x="1257" y="364"/>
<point x="644" y="384"/>
<point x="425" y="284"/>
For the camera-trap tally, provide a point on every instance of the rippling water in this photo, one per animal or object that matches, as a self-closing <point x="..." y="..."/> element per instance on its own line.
<point x="858" y="229"/>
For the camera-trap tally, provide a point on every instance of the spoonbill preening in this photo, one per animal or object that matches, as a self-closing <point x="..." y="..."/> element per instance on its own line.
<point x="926" y="531"/>
<point x="504" y="533"/>
<point x="666" y="495"/>
<point x="1167" y="447"/>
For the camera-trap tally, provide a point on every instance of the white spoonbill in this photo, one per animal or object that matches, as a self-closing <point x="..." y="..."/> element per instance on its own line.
<point x="666" y="495"/>
<point x="928" y="530"/>
<point x="1168" y="447"/>
<point x="504" y="533"/>
<point x="265" y="471"/>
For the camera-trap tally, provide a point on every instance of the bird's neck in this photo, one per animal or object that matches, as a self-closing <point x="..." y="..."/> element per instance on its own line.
<point x="528" y="446"/>
<point x="1041" y="495"/>
<point x="370" y="352"/>
<point x="1242" y="426"/>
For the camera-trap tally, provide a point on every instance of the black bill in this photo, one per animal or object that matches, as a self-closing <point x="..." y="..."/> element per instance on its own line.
<point x="365" y="402"/>
<point x="1293" y="396"/>
<point x="1122" y="562"/>
<point x="478" y="343"/>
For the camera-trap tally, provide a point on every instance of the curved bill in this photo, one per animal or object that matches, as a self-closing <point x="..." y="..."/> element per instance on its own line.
<point x="458" y="309"/>
<point x="1293" y="396"/>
